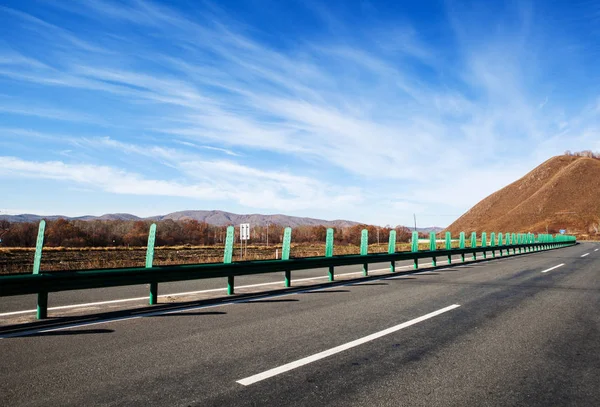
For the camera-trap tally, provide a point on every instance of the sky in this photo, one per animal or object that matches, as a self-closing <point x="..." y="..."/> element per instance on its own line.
<point x="372" y="111"/>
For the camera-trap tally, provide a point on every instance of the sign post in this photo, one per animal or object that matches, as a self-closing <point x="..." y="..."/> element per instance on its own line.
<point x="244" y="237"/>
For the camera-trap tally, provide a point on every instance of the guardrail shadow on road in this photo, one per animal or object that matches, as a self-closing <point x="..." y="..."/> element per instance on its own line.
<point x="73" y="332"/>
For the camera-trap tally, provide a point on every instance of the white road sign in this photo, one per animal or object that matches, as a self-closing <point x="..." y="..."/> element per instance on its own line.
<point x="245" y="231"/>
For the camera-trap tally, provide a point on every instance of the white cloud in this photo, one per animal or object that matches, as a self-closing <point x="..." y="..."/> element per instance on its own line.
<point x="214" y="180"/>
<point x="49" y="113"/>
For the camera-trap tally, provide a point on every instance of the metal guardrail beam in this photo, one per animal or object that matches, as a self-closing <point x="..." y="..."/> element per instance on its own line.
<point x="74" y="280"/>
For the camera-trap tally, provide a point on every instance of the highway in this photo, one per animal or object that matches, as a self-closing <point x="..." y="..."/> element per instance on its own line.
<point x="521" y="330"/>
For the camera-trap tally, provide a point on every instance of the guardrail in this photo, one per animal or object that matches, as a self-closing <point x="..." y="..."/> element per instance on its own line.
<point x="44" y="283"/>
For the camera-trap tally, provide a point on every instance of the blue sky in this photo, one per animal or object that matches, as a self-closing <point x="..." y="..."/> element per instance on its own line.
<point x="365" y="110"/>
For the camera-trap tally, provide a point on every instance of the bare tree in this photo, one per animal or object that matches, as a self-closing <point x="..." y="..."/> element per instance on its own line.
<point x="4" y="227"/>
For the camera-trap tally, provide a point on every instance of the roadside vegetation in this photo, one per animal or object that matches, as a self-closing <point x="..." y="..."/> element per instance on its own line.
<point x="80" y="245"/>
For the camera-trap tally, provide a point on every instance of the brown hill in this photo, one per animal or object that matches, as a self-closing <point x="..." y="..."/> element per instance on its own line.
<point x="561" y="193"/>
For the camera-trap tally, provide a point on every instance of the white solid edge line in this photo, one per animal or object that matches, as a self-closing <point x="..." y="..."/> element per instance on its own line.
<point x="552" y="268"/>
<point x="321" y="355"/>
<point x="583" y="255"/>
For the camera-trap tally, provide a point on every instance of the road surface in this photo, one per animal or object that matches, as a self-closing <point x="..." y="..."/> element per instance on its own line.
<point x="523" y="330"/>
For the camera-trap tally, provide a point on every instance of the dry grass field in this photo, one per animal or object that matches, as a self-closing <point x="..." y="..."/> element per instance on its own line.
<point x="20" y="260"/>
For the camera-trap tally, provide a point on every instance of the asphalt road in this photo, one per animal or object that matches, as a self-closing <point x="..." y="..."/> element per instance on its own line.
<point x="512" y="331"/>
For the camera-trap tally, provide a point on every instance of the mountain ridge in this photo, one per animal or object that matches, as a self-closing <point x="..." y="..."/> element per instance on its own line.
<point x="562" y="193"/>
<point x="212" y="217"/>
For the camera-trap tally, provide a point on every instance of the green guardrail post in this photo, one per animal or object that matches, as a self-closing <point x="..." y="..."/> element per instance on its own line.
<point x="414" y="247"/>
<point x="329" y="251"/>
<point x="449" y="246"/>
<point x="153" y="298"/>
<point x="364" y="249"/>
<point x="285" y="253"/>
<point x="39" y="244"/>
<point x="493" y="244"/>
<point x="513" y="241"/>
<point x="520" y="241"/>
<point x="541" y="241"/>
<point x="484" y="243"/>
<point x="543" y="247"/>
<point x="392" y="249"/>
<point x="42" y="298"/>
<point x="474" y="244"/>
<point x="462" y="245"/>
<point x="228" y="257"/>
<point x="433" y="247"/>
<point x="500" y="243"/>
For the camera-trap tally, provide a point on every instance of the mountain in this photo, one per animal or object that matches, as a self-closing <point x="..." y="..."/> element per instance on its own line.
<point x="561" y="193"/>
<point x="218" y="218"/>
<point x="428" y="229"/>
<point x="221" y="218"/>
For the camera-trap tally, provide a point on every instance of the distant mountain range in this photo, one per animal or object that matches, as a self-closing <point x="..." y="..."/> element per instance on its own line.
<point x="217" y="218"/>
